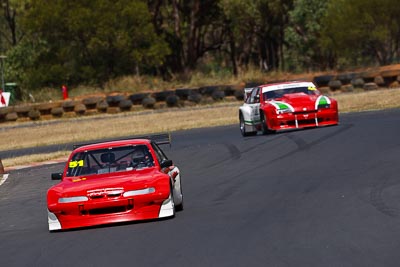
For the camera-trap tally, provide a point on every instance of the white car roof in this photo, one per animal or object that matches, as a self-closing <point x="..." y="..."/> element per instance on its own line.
<point x="278" y="86"/>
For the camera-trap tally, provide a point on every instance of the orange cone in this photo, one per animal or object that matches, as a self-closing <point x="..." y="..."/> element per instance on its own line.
<point x="1" y="167"/>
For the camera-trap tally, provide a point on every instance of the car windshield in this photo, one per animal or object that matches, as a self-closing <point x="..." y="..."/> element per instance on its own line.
<point x="117" y="159"/>
<point x="279" y="93"/>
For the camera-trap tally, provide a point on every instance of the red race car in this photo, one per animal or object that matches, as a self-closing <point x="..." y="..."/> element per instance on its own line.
<point x="288" y="105"/>
<point x="116" y="181"/>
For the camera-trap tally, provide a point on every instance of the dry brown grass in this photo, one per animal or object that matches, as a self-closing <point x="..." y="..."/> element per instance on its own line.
<point x="130" y="124"/>
<point x="106" y="126"/>
<point x="34" y="158"/>
<point x="371" y="100"/>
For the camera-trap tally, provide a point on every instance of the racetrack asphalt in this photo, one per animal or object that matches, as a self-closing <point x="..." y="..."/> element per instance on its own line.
<point x="316" y="197"/>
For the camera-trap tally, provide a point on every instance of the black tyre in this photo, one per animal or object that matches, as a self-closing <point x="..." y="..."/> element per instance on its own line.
<point x="264" y="125"/>
<point x="243" y="128"/>
<point x="180" y="206"/>
<point x="171" y="192"/>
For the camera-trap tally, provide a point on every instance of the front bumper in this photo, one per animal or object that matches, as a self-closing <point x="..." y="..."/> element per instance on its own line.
<point x="85" y="214"/>
<point x="296" y="120"/>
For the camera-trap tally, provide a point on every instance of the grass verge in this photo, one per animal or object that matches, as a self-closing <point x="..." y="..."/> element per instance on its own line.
<point x="169" y="120"/>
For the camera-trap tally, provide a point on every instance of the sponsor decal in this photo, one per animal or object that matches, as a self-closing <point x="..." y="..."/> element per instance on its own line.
<point x="76" y="163"/>
<point x="282" y="106"/>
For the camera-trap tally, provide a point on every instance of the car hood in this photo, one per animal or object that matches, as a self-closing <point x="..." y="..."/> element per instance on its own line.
<point x="298" y="102"/>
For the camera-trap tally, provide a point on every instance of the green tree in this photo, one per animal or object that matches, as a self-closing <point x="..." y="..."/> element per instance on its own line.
<point x="303" y="36"/>
<point x="94" y="40"/>
<point x="192" y="29"/>
<point x="256" y="31"/>
<point x="363" y="30"/>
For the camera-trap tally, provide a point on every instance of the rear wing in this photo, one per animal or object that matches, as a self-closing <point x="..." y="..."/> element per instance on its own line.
<point x="159" y="139"/>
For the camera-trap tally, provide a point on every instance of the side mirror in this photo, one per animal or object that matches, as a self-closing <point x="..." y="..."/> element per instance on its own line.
<point x="166" y="163"/>
<point x="56" y="176"/>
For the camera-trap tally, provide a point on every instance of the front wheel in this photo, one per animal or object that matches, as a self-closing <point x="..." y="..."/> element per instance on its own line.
<point x="264" y="125"/>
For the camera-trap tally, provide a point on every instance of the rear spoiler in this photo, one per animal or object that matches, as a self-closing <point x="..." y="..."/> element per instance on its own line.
<point x="159" y="139"/>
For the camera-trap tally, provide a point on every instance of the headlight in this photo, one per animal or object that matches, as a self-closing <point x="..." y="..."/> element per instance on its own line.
<point x="139" y="192"/>
<point x="72" y="199"/>
<point x="324" y="106"/>
<point x="322" y="102"/>
<point x="282" y="111"/>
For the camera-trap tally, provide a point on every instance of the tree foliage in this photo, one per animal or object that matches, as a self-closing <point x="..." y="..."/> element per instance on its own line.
<point x="303" y="36"/>
<point x="94" y="39"/>
<point x="91" y="41"/>
<point x="363" y="30"/>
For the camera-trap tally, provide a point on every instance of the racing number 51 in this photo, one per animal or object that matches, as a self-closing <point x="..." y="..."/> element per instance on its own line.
<point x="76" y="163"/>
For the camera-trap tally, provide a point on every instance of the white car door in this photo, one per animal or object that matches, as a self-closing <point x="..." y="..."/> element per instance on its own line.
<point x="254" y="104"/>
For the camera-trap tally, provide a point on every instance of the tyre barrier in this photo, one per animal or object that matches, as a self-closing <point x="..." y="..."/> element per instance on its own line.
<point x="4" y="111"/>
<point x="358" y="82"/>
<point x="113" y="100"/>
<point x="12" y="116"/>
<point x="335" y="85"/>
<point x="370" y="86"/>
<point x="125" y="105"/>
<point x="22" y="111"/>
<point x="162" y="95"/>
<point x="91" y="102"/>
<point x="390" y="76"/>
<point x="195" y="98"/>
<point x="80" y="109"/>
<point x="183" y="93"/>
<point x="118" y="102"/>
<point x="45" y="108"/>
<point x="369" y="76"/>
<point x="229" y="90"/>
<point x="137" y="98"/>
<point x="218" y="95"/>
<point x="34" y="114"/>
<point x="208" y="90"/>
<point x="102" y="106"/>
<point x="68" y="106"/>
<point x="346" y="78"/>
<point x="239" y="95"/>
<point x="323" y="80"/>
<point x="172" y="101"/>
<point x="57" y="112"/>
<point x="149" y="102"/>
<point x="379" y="81"/>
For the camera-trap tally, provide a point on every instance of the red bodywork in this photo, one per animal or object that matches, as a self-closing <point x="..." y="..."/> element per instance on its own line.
<point x="105" y="201"/>
<point x="304" y="114"/>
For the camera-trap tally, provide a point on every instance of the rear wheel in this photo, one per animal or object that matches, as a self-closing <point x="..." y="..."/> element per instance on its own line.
<point x="179" y="207"/>
<point x="243" y="127"/>
<point x="171" y="198"/>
